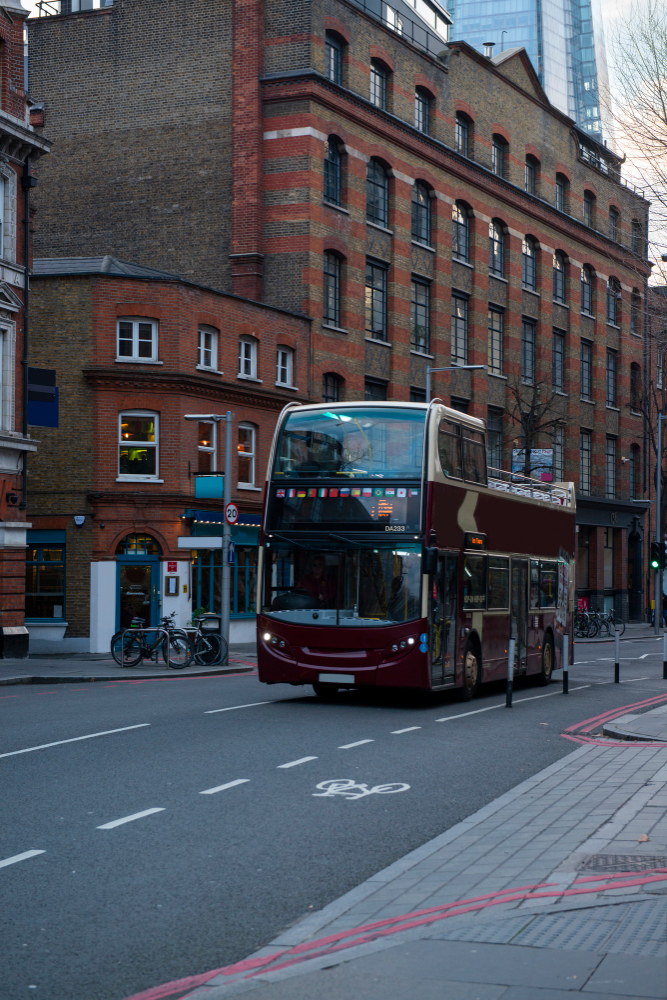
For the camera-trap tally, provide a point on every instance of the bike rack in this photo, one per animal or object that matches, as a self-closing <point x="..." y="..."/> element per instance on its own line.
<point x="139" y="631"/>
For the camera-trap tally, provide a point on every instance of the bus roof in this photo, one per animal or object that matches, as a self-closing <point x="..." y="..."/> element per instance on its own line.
<point x="446" y="411"/>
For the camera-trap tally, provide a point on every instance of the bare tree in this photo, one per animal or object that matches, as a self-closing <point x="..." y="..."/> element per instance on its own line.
<point x="639" y="47"/>
<point x="537" y="409"/>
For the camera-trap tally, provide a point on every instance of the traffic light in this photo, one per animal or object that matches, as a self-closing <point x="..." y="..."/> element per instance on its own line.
<point x="657" y="557"/>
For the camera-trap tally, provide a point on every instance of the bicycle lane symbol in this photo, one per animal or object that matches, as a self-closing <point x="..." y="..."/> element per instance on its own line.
<point x="350" y="789"/>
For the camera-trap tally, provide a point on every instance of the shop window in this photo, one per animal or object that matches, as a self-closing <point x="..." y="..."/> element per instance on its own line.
<point x="138" y="445"/>
<point x="45" y="582"/>
<point x="247" y="442"/>
<point x="207" y="581"/>
<point x="137" y="339"/>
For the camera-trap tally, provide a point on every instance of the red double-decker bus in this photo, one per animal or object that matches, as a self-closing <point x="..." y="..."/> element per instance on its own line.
<point x="392" y="557"/>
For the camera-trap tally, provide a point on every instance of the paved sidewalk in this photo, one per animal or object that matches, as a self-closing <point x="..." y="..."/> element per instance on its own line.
<point x="633" y="630"/>
<point x="96" y="667"/>
<point x="550" y="890"/>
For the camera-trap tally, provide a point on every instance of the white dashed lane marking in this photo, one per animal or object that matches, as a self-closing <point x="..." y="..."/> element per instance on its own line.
<point x="348" y="746"/>
<point x="20" y="857"/>
<point x="410" y="729"/>
<point x="222" y="788"/>
<point x="293" y="763"/>
<point x="75" y="739"/>
<point x="233" y="708"/>
<point x="129" y="819"/>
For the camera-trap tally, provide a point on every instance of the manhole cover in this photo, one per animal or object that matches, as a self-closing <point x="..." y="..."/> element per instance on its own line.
<point x="623" y="862"/>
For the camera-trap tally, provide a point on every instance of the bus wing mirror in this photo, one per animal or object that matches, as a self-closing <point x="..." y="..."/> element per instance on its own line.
<point x="430" y="563"/>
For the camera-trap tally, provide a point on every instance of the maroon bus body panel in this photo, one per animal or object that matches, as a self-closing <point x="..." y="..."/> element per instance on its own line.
<point x="364" y="652"/>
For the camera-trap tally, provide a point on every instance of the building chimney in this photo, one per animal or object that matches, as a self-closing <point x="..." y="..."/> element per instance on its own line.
<point x="488" y="49"/>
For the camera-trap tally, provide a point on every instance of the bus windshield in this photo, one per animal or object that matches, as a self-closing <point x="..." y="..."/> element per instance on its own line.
<point x="351" y="442"/>
<point x="349" y="587"/>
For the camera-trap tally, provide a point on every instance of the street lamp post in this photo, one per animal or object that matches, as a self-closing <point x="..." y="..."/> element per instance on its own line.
<point x="657" y="591"/>
<point x="226" y="529"/>
<point x="452" y="368"/>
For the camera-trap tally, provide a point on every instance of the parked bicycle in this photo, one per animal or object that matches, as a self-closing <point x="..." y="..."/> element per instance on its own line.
<point x="209" y="646"/>
<point x="130" y="646"/>
<point x="586" y="625"/>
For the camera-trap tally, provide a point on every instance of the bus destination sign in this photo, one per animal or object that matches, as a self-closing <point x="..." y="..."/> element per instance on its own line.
<point x="475" y="540"/>
<point x="392" y="508"/>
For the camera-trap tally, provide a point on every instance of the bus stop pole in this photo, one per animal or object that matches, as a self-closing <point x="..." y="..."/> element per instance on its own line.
<point x="566" y="676"/>
<point x="226" y="538"/>
<point x="510" y="673"/>
<point x="617" y="669"/>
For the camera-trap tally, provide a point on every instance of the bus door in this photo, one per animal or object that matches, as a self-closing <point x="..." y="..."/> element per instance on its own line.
<point x="443" y="619"/>
<point x="519" y="619"/>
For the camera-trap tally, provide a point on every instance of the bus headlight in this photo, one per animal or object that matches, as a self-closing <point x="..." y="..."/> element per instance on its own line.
<point x="267" y="637"/>
<point x="411" y="641"/>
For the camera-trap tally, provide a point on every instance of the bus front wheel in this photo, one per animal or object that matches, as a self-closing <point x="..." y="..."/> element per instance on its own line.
<point x="547" y="661"/>
<point x="470" y="673"/>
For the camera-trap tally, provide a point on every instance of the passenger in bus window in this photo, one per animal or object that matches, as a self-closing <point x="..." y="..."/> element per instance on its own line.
<point x="317" y="583"/>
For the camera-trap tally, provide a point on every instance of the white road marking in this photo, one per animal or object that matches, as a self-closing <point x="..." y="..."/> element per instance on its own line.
<point x="221" y="788"/>
<point x="396" y="732"/>
<point x="20" y="857"/>
<point x="75" y="739"/>
<point x="632" y="680"/>
<point x="301" y="760"/>
<point x="348" y="746"/>
<point x="490" y="708"/>
<point x="253" y="704"/>
<point x="129" y="819"/>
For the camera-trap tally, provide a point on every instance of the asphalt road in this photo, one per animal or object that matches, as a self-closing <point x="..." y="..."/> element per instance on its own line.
<point x="104" y="913"/>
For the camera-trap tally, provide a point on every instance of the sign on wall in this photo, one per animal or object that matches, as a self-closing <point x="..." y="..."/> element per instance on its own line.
<point x="42" y="403"/>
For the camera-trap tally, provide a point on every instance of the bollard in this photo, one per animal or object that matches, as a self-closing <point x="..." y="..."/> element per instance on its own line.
<point x="510" y="674"/>
<point x="664" y="656"/>
<point x="565" y="671"/>
<point x="617" y="679"/>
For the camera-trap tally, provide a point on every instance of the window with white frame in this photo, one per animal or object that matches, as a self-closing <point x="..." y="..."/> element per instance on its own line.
<point x="206" y="445"/>
<point x="137" y="339"/>
<point x="207" y="355"/>
<point x="247" y="357"/>
<point x="285" y="366"/>
<point x="247" y="442"/>
<point x="138" y="445"/>
<point x="7" y="349"/>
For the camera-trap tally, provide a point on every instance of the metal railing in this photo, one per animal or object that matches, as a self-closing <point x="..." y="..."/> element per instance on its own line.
<point x="526" y="486"/>
<point x="432" y="40"/>
<point x="51" y="8"/>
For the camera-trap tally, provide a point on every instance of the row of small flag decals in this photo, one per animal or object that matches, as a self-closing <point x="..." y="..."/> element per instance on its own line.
<point x="344" y="491"/>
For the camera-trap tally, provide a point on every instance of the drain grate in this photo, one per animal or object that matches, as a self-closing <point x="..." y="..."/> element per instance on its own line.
<point x="623" y="862"/>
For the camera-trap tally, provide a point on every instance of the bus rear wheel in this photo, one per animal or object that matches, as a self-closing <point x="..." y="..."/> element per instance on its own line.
<point x="470" y="674"/>
<point x="547" y="661"/>
<point x="323" y="690"/>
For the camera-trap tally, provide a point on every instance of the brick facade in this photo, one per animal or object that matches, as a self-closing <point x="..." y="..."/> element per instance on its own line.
<point x="278" y="56"/>
<point x="76" y="471"/>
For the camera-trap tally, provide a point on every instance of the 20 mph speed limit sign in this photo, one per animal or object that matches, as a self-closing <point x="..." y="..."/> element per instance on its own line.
<point x="231" y="513"/>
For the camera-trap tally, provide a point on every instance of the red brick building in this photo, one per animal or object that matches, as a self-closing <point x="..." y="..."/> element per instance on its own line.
<point x="424" y="203"/>
<point x="113" y="488"/>
<point x="20" y="147"/>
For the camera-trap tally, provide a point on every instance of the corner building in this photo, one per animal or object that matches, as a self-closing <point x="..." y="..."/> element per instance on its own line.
<point x="425" y="204"/>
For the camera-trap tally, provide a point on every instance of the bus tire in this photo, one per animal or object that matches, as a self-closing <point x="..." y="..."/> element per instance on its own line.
<point x="325" y="690"/>
<point x="547" y="661"/>
<point x="470" y="673"/>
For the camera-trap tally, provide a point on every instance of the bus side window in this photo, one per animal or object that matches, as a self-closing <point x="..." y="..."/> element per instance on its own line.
<point x="548" y="584"/>
<point x="474" y="582"/>
<point x="499" y="584"/>
<point x="474" y="456"/>
<point x="449" y="447"/>
<point x="534" y="583"/>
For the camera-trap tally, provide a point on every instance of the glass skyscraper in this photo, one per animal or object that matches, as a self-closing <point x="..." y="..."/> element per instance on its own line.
<point x="564" y="40"/>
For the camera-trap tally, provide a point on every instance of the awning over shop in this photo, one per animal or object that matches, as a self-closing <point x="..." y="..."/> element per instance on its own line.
<point x="210" y="523"/>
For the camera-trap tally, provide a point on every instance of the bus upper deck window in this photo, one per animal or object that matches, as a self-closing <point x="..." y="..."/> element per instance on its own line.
<point x="449" y="447"/>
<point x="474" y="456"/>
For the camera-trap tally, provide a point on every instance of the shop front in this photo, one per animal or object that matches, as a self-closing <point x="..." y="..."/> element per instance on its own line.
<point x="610" y="541"/>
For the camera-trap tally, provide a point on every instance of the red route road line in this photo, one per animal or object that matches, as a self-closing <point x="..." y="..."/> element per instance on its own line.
<point x="604" y="716"/>
<point x="380" y="929"/>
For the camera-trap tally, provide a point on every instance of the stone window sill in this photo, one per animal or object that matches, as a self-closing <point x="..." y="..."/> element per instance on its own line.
<point x="374" y="340"/>
<point x="336" y="208"/>
<point x="462" y="262"/>
<point x="284" y="385"/>
<point x="250" y="378"/>
<point x="138" y="479"/>
<point x="497" y="375"/>
<point x="616" y="409"/>
<point x="248" y="487"/>
<point x="336" y="329"/>
<point x="138" y="361"/>
<point x="420" y="354"/>
<point x="382" y="229"/>
<point x="423" y="246"/>
<point x="211" y="371"/>
<point x="531" y="291"/>
<point x="499" y="277"/>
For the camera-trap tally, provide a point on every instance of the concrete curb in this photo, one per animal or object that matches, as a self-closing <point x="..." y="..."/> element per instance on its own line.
<point x="79" y="678"/>
<point x="617" y="733"/>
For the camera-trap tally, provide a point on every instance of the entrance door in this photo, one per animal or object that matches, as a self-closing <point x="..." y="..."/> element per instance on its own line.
<point x="137" y="593"/>
<point x="519" y="619"/>
<point x="443" y="619"/>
